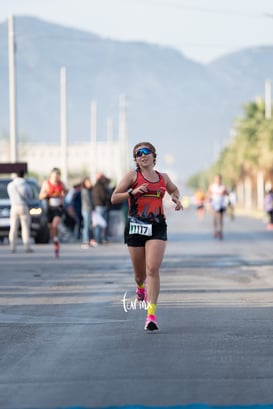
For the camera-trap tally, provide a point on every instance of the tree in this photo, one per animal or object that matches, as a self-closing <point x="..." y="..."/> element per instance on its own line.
<point x="249" y="151"/>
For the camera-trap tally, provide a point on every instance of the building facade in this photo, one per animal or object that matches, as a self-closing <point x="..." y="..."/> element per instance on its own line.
<point x="79" y="159"/>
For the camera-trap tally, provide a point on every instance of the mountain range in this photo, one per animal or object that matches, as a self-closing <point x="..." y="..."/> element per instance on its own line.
<point x="187" y="109"/>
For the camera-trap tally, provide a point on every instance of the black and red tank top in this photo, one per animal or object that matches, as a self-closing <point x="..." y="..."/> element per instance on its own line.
<point x="148" y="206"/>
<point x="55" y="190"/>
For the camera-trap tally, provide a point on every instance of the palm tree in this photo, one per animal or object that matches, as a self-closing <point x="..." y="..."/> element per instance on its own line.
<point x="250" y="151"/>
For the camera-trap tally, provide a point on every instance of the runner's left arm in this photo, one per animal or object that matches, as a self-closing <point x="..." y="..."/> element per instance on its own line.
<point x="173" y="191"/>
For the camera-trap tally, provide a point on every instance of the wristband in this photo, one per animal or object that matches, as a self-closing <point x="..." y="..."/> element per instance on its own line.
<point x="129" y="191"/>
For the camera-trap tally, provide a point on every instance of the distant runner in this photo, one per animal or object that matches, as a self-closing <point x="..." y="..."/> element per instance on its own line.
<point x="217" y="196"/>
<point x="53" y="191"/>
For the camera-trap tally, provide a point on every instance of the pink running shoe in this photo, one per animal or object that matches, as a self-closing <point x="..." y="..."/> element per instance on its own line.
<point x="141" y="294"/>
<point x="151" y="323"/>
<point x="56" y="247"/>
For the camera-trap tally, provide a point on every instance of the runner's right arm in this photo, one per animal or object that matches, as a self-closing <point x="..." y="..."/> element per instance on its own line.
<point x="44" y="191"/>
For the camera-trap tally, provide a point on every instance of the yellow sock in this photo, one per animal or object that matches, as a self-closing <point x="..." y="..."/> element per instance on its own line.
<point x="151" y="309"/>
<point x="141" y="285"/>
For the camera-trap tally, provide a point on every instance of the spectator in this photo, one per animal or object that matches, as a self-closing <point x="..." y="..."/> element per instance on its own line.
<point x="19" y="193"/>
<point x="101" y="198"/>
<point x="268" y="201"/>
<point x="115" y="217"/>
<point x="87" y="206"/>
<point x="76" y="204"/>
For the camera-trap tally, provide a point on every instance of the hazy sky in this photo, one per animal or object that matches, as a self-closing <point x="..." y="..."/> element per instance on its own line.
<point x="201" y="29"/>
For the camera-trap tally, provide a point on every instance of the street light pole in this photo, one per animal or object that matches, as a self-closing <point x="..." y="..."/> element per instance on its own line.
<point x="122" y="134"/>
<point x="12" y="91"/>
<point x="93" y="141"/>
<point x="63" y="124"/>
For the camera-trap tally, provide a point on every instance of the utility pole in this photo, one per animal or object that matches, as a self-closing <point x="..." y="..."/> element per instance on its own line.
<point x="109" y="129"/>
<point x="12" y="91"/>
<point x="111" y="168"/>
<point x="63" y="124"/>
<point x="268" y="100"/>
<point x="122" y="133"/>
<point x="93" y="140"/>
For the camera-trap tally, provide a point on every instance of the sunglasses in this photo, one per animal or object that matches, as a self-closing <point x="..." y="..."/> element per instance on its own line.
<point x="143" y="151"/>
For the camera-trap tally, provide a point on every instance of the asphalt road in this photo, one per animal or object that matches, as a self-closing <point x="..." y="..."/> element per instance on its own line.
<point x="68" y="339"/>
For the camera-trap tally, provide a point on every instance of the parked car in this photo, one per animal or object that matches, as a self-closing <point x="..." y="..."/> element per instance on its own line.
<point x="39" y="227"/>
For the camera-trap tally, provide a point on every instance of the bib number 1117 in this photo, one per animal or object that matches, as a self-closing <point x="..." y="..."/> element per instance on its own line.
<point x="143" y="229"/>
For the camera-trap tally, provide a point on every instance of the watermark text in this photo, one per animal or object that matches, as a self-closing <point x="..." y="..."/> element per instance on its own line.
<point x="131" y="305"/>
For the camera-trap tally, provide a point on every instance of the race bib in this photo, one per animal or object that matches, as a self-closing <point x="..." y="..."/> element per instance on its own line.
<point x="140" y="228"/>
<point x="54" y="201"/>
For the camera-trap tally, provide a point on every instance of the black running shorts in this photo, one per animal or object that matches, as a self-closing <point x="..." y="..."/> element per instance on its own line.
<point x="54" y="212"/>
<point x="221" y="210"/>
<point x="159" y="232"/>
